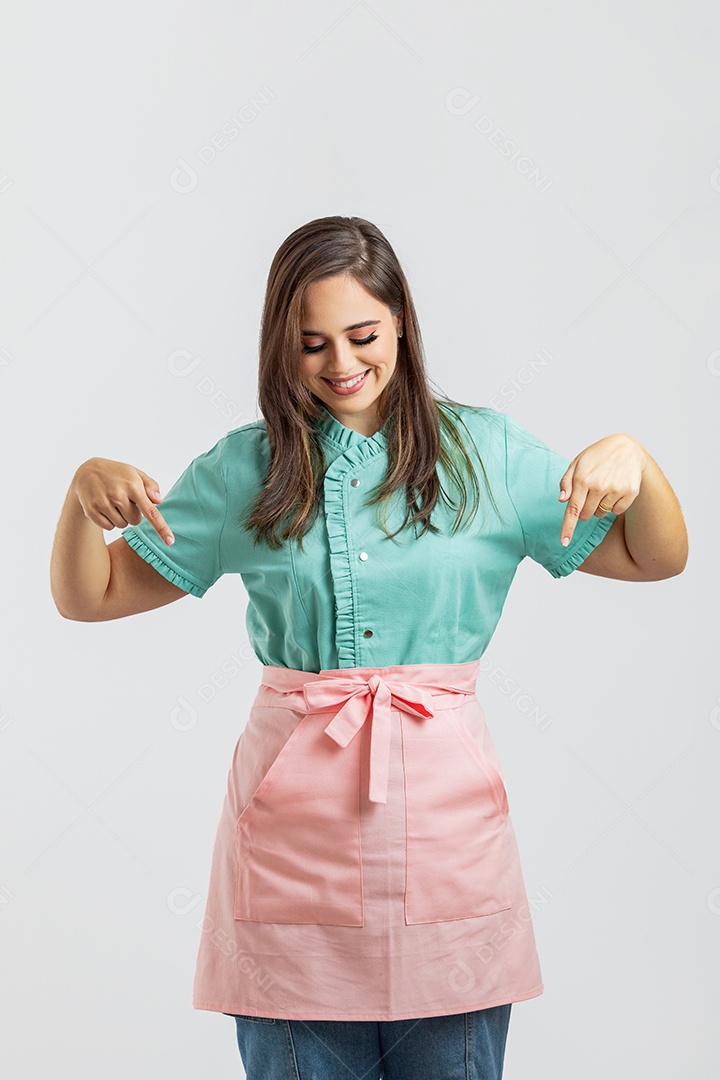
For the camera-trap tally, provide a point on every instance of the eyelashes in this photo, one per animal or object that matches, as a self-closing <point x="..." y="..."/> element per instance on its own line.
<point x="318" y="348"/>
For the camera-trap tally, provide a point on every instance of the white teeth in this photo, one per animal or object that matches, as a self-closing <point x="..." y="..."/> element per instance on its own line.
<point x="352" y="382"/>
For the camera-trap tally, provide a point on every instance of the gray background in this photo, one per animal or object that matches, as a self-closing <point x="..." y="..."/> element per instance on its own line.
<point x="581" y="297"/>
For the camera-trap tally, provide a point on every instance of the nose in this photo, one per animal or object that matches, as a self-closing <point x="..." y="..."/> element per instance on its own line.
<point x="342" y="359"/>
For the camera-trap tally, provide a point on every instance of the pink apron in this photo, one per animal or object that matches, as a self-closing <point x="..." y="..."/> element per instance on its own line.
<point x="365" y="866"/>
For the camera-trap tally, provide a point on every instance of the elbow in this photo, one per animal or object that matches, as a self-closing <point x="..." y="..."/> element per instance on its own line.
<point x="680" y="562"/>
<point x="70" y="616"/>
<point x="61" y="608"/>
<point x="666" y="570"/>
<point x="678" y="568"/>
<point x="669" y="573"/>
<point x="74" y="614"/>
<point x="672" y="564"/>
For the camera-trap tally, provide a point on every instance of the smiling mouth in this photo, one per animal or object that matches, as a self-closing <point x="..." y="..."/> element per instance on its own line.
<point x="350" y="381"/>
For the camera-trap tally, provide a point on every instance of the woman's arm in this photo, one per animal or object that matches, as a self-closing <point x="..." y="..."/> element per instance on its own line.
<point x="92" y="581"/>
<point x="649" y="540"/>
<point x="79" y="564"/>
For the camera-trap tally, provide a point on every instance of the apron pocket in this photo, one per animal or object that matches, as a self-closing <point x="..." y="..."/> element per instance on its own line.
<point x="298" y="839"/>
<point x="457" y="815"/>
<point x="488" y="768"/>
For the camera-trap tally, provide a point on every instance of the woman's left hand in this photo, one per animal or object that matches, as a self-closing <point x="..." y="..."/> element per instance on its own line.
<point x="608" y="471"/>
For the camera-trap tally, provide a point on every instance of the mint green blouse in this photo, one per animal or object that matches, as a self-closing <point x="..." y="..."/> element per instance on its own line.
<point x="354" y="597"/>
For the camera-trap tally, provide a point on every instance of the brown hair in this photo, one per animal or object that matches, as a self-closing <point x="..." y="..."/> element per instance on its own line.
<point x="420" y="432"/>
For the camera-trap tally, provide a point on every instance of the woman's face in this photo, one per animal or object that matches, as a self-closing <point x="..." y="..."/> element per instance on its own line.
<point x="333" y="353"/>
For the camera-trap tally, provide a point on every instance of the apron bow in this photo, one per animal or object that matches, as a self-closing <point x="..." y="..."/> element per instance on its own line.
<point x="361" y="700"/>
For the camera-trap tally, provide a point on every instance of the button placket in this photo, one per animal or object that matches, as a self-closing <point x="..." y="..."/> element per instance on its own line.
<point x="344" y="509"/>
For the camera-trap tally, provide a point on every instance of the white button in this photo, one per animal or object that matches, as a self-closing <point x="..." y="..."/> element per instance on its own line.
<point x="355" y="483"/>
<point x="363" y="555"/>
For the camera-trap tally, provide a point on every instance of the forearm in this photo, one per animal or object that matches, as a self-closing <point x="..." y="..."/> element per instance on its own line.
<point x="80" y="563"/>
<point x="655" y="532"/>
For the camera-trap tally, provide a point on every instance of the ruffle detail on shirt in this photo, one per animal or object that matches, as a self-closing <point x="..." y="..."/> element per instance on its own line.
<point x="340" y="434"/>
<point x="573" y="560"/>
<point x="336" y="483"/>
<point x="160" y="565"/>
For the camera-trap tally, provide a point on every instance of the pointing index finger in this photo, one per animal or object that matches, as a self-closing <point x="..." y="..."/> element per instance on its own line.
<point x="153" y="515"/>
<point x="570" y="518"/>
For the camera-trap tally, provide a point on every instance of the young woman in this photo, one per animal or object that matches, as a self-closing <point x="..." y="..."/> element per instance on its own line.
<point x="366" y="912"/>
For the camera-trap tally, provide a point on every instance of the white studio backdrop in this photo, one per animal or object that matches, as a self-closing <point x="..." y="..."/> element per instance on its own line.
<point x="549" y="176"/>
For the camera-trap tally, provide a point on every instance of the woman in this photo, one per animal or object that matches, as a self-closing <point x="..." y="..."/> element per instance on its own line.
<point x="366" y="904"/>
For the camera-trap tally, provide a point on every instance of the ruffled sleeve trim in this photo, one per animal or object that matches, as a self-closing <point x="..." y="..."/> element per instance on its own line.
<point x="572" y="561"/>
<point x="193" y="586"/>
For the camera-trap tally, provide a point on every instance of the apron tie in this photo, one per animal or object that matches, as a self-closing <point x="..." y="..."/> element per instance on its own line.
<point x="365" y="699"/>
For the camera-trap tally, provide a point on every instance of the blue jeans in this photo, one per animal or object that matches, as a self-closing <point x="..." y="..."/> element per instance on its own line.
<point x="463" y="1046"/>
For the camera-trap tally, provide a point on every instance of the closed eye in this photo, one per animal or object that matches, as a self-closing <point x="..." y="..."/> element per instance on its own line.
<point x="318" y="348"/>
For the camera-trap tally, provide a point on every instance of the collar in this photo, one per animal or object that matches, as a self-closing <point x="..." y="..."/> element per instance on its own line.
<point x="342" y="435"/>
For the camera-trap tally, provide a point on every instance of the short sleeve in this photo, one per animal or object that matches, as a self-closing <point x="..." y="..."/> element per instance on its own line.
<point x="532" y="478"/>
<point x="195" y="509"/>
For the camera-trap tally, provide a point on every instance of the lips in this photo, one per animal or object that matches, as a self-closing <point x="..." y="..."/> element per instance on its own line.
<point x="351" y="380"/>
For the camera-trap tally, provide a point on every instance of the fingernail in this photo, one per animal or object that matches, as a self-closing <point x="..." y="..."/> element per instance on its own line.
<point x="563" y="494"/>
<point x="565" y="541"/>
<point x="169" y="539"/>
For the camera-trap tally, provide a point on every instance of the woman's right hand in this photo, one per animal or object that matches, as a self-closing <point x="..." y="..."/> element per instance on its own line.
<point x="113" y="495"/>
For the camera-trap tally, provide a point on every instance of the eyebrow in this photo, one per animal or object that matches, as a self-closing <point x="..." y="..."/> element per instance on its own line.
<point x="355" y="326"/>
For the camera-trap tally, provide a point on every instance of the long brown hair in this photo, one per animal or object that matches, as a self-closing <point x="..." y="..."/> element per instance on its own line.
<point x="421" y="431"/>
